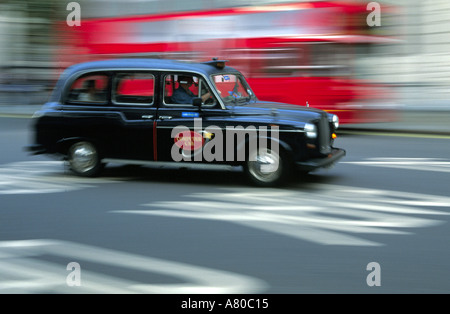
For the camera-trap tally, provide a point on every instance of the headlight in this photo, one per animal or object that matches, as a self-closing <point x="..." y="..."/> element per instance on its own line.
<point x="311" y="130"/>
<point x="335" y="120"/>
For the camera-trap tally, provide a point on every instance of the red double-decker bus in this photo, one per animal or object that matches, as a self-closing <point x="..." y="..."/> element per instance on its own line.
<point x="300" y="53"/>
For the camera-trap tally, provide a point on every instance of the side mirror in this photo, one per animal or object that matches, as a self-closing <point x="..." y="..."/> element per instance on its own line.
<point x="197" y="102"/>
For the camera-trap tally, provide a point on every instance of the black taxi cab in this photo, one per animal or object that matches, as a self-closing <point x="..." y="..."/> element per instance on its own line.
<point x="153" y="110"/>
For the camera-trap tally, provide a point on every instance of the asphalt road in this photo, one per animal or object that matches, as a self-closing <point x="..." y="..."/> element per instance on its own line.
<point x="378" y="222"/>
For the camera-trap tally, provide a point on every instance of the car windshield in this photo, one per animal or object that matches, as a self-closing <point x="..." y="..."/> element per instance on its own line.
<point x="233" y="88"/>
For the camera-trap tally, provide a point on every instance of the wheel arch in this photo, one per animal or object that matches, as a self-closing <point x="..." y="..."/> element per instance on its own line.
<point x="281" y="144"/>
<point x="63" y="145"/>
<point x="284" y="155"/>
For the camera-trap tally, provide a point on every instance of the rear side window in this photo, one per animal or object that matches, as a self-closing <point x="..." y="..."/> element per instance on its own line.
<point x="90" y="88"/>
<point x="134" y="88"/>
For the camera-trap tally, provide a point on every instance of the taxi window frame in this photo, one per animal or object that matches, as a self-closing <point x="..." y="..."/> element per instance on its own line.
<point x="69" y="83"/>
<point x="201" y="78"/>
<point x="113" y="88"/>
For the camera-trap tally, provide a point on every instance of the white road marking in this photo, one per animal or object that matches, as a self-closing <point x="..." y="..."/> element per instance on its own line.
<point x="22" y="264"/>
<point x="324" y="214"/>
<point x="36" y="177"/>
<point x="423" y="164"/>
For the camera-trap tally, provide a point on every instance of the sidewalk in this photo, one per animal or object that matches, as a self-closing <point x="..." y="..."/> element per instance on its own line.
<point x="410" y="121"/>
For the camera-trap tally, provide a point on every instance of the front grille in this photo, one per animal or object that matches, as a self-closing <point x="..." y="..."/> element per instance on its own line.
<point x="324" y="136"/>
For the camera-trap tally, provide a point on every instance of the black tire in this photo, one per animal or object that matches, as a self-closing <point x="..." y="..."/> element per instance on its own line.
<point x="84" y="159"/>
<point x="268" y="168"/>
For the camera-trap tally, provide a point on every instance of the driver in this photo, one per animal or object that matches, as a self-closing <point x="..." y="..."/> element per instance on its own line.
<point x="183" y="95"/>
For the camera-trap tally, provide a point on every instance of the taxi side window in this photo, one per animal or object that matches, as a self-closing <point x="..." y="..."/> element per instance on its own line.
<point x="91" y="88"/>
<point x="180" y="89"/>
<point x="133" y="88"/>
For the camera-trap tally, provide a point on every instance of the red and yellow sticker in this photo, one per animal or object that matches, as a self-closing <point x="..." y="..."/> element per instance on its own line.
<point x="189" y="140"/>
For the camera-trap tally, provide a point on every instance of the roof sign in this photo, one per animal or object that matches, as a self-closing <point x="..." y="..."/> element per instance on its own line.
<point x="220" y="64"/>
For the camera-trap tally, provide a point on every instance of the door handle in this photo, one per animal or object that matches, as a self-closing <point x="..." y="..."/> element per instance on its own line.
<point x="147" y="116"/>
<point x="165" y="117"/>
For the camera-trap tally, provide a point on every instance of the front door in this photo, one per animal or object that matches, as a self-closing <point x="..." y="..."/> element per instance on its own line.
<point x="180" y="124"/>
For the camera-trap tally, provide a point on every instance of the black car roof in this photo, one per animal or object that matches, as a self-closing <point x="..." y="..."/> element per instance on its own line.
<point x="155" y="64"/>
<point x="136" y="63"/>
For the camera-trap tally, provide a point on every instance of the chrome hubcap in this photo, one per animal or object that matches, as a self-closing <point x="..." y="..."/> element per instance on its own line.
<point x="83" y="157"/>
<point x="265" y="165"/>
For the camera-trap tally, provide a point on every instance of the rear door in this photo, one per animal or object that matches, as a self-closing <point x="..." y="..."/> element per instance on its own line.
<point x="133" y="97"/>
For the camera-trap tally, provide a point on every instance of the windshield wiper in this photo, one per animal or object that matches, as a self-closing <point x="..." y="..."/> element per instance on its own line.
<point x="242" y="100"/>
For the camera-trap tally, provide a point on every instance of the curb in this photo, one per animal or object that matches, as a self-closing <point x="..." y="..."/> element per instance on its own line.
<point x="16" y="115"/>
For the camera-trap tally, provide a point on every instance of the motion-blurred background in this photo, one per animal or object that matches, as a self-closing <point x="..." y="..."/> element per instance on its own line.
<point x="330" y="54"/>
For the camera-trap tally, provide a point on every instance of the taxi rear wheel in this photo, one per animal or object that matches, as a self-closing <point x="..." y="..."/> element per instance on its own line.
<point x="84" y="160"/>
<point x="268" y="168"/>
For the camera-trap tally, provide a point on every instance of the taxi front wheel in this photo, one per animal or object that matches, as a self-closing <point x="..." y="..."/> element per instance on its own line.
<point x="268" y="168"/>
<point x="84" y="159"/>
